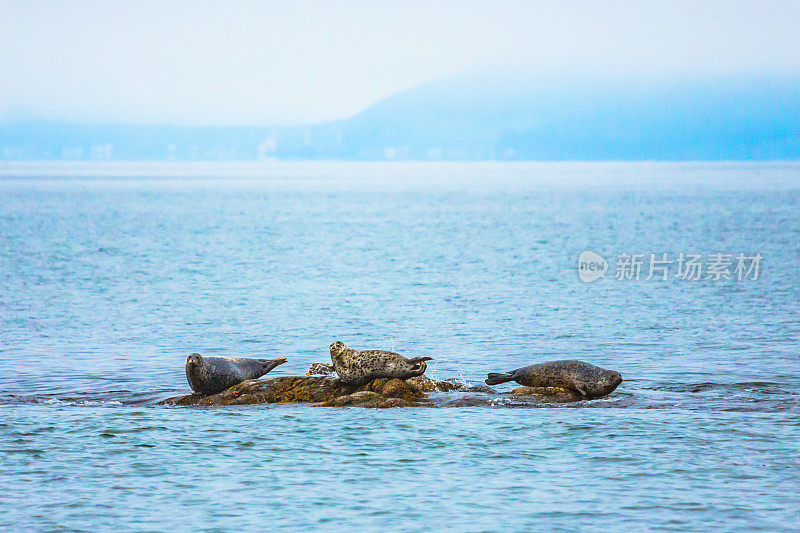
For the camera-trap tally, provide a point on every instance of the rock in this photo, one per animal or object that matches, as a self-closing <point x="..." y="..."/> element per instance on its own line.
<point x="548" y="394"/>
<point x="422" y="383"/>
<point x="287" y="389"/>
<point x="447" y="386"/>
<point x="367" y="398"/>
<point x="394" y="388"/>
<point x="359" y="398"/>
<point x="378" y="393"/>
<point x="321" y="390"/>
<point x="480" y="387"/>
<point x="191" y="399"/>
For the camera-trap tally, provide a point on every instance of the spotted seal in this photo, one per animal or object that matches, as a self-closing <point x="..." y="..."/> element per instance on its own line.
<point x="358" y="367"/>
<point x="210" y="375"/>
<point x="587" y="380"/>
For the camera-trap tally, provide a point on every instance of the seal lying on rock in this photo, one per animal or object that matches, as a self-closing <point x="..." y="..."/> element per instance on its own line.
<point x="358" y="367"/>
<point x="210" y="375"/>
<point x="587" y="380"/>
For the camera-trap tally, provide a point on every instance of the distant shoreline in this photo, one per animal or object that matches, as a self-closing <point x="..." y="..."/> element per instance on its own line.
<point x="505" y="177"/>
<point x="330" y="168"/>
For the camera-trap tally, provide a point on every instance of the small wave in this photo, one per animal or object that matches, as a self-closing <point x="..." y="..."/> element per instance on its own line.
<point x="750" y="396"/>
<point x="758" y="387"/>
<point x="103" y="399"/>
<point x="32" y="400"/>
<point x="753" y="396"/>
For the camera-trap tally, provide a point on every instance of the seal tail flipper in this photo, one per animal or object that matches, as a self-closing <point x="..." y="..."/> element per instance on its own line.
<point x="420" y="359"/>
<point x="496" y="379"/>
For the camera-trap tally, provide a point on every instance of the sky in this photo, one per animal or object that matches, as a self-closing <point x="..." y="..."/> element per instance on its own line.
<point x="278" y="63"/>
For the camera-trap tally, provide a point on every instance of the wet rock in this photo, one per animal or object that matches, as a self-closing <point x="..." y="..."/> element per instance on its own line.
<point x="548" y="394"/>
<point x="321" y="390"/>
<point x="368" y="398"/>
<point x="379" y="393"/>
<point x="447" y="386"/>
<point x="358" y="398"/>
<point x="397" y="389"/>
<point x="191" y="399"/>
<point x="422" y="383"/>
<point x="471" y="400"/>
<point x="288" y="389"/>
<point x="485" y="389"/>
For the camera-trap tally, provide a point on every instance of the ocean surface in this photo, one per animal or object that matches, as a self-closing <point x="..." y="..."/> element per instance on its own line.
<point x="111" y="274"/>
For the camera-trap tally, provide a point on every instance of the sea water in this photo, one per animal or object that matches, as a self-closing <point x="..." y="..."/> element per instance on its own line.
<point x="111" y="275"/>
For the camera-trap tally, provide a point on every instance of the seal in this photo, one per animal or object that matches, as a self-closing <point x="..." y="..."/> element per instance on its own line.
<point x="587" y="380"/>
<point x="210" y="375"/>
<point x="358" y="367"/>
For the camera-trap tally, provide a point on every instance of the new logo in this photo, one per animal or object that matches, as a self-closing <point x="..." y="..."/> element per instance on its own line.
<point x="591" y="266"/>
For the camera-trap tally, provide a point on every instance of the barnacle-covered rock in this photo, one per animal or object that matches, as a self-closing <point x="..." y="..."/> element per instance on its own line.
<point x="548" y="394"/>
<point x="378" y="393"/>
<point x="384" y="392"/>
<point x="286" y="389"/>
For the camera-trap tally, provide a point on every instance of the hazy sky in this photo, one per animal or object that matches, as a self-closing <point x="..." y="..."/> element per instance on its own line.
<point x="229" y="62"/>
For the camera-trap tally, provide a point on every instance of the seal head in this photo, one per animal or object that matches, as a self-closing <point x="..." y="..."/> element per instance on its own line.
<point x="358" y="367"/>
<point x="606" y="384"/>
<point x="211" y="375"/>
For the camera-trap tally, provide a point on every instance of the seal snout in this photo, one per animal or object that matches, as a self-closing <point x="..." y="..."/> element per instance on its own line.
<point x="613" y="381"/>
<point x="269" y="364"/>
<point x="194" y="359"/>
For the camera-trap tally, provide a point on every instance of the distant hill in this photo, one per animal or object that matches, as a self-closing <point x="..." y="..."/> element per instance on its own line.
<point x="468" y="117"/>
<point x="479" y="117"/>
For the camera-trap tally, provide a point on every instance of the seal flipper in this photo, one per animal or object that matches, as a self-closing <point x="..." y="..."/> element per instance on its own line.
<point x="496" y="379"/>
<point x="418" y="366"/>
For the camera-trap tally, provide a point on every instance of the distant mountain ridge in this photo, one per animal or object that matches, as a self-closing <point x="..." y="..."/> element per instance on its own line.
<point x="480" y="117"/>
<point x="736" y="117"/>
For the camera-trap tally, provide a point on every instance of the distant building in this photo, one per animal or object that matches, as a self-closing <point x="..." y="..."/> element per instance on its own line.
<point x="72" y="153"/>
<point x="17" y="152"/>
<point x="391" y="153"/>
<point x="102" y="152"/>
<point x="268" y="148"/>
<point x="433" y="153"/>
